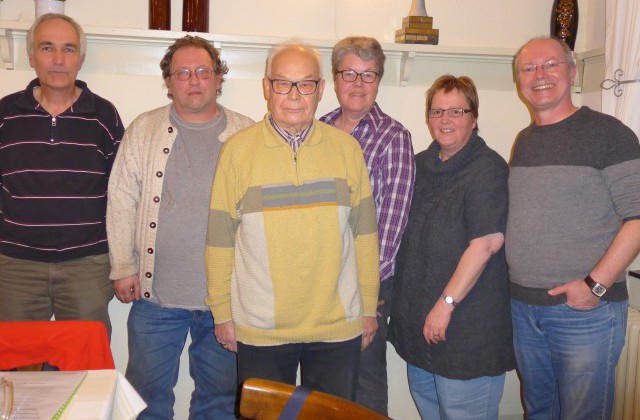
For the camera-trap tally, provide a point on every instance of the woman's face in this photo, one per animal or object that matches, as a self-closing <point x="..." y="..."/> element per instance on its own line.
<point x="451" y="133"/>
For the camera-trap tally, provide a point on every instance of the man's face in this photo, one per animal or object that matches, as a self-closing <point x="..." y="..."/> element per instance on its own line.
<point x="194" y="98"/>
<point x="293" y="112"/>
<point x="356" y="98"/>
<point x="56" y="54"/>
<point x="546" y="90"/>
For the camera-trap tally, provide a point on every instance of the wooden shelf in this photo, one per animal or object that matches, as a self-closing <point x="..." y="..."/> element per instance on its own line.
<point x="138" y="52"/>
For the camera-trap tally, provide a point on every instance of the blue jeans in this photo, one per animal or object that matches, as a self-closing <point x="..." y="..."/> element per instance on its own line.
<point x="567" y="358"/>
<point x="372" y="390"/>
<point x="327" y="367"/>
<point x="438" y="397"/>
<point x="156" y="338"/>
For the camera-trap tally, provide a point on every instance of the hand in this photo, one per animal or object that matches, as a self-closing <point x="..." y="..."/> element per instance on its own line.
<point x="437" y="322"/>
<point x="127" y="289"/>
<point x="226" y="335"/>
<point x="369" y="328"/>
<point x="579" y="295"/>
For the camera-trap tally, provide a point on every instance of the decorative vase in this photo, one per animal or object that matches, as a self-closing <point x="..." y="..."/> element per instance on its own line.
<point x="160" y="14"/>
<point x="418" y="8"/>
<point x="195" y="15"/>
<point x="49" y="6"/>
<point x="564" y="21"/>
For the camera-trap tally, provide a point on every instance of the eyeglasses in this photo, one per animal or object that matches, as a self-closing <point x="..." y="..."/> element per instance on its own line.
<point x="549" y="66"/>
<point x="452" y="112"/>
<point x="185" y="74"/>
<point x="283" y="87"/>
<point x="351" y="76"/>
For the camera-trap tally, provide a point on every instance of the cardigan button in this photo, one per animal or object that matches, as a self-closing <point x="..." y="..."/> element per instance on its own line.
<point x="166" y="150"/>
<point x="147" y="275"/>
<point x="170" y="129"/>
<point x="147" y="294"/>
<point x="150" y="250"/>
<point x="152" y="225"/>
<point x="159" y="174"/>
<point x="156" y="199"/>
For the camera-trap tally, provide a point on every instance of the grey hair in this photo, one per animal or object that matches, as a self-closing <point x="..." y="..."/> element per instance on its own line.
<point x="568" y="54"/>
<point x="366" y="48"/>
<point x="50" y="16"/>
<point x="277" y="49"/>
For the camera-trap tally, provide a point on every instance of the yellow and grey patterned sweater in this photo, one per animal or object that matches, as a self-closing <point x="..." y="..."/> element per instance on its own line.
<point x="292" y="246"/>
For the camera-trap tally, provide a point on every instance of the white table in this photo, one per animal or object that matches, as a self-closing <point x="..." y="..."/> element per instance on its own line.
<point x="102" y="395"/>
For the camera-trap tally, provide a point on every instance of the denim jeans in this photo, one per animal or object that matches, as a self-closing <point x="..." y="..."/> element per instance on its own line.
<point x="156" y="338"/>
<point x="327" y="367"/>
<point x="372" y="390"/>
<point x="438" y="397"/>
<point x="567" y="358"/>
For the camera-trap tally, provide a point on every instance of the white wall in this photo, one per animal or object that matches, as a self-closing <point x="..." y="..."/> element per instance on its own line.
<point x="462" y="23"/>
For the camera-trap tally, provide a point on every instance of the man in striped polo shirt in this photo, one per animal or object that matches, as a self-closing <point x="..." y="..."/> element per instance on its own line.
<point x="58" y="141"/>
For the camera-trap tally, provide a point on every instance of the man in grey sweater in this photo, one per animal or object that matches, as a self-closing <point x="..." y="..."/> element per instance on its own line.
<point x="573" y="229"/>
<point x="157" y="212"/>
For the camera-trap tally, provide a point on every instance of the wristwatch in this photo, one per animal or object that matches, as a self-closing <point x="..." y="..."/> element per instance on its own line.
<point x="596" y="288"/>
<point x="449" y="300"/>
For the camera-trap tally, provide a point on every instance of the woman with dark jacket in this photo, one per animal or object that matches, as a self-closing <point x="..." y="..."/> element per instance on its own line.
<point x="450" y="317"/>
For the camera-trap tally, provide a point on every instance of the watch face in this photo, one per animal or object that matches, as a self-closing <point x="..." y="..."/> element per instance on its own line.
<point x="449" y="300"/>
<point x="599" y="290"/>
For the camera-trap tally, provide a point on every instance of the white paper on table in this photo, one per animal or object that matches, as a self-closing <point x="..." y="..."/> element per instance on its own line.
<point x="128" y="404"/>
<point x="94" y="398"/>
<point x="39" y="395"/>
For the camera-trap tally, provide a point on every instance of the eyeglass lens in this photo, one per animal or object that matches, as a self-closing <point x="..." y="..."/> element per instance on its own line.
<point x="283" y="87"/>
<point x="351" y="76"/>
<point x="200" y="72"/>
<point x="549" y="66"/>
<point x="451" y="112"/>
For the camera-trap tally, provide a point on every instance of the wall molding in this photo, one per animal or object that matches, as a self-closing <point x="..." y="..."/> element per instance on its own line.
<point x="133" y="51"/>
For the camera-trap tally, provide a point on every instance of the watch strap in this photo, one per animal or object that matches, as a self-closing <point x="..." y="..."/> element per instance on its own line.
<point x="595" y="286"/>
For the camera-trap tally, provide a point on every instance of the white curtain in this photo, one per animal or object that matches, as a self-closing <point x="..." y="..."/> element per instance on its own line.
<point x="622" y="51"/>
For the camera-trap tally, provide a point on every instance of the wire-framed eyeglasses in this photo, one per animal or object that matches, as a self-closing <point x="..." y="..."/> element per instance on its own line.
<point x="351" y="76"/>
<point x="548" y="66"/>
<point x="185" y="74"/>
<point x="283" y="87"/>
<point x="451" y="112"/>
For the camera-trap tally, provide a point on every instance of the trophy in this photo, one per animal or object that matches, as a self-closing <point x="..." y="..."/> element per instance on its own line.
<point x="417" y="28"/>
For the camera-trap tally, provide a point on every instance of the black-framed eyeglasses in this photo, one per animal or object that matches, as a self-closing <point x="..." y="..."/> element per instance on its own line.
<point x="548" y="66"/>
<point x="283" y="87"/>
<point x="351" y="76"/>
<point x="185" y="74"/>
<point x="452" y="112"/>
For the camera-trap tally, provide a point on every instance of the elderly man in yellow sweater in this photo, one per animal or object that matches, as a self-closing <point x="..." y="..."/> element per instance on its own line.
<point x="292" y="248"/>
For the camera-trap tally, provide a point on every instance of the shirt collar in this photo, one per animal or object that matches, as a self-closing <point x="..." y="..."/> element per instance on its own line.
<point x="289" y="138"/>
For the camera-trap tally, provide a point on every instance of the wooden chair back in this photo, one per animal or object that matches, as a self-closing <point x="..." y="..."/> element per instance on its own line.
<point x="264" y="400"/>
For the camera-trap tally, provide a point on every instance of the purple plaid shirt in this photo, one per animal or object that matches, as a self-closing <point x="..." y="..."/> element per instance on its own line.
<point x="388" y="151"/>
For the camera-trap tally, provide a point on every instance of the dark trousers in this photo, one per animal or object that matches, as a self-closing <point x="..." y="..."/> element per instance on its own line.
<point x="372" y="389"/>
<point x="327" y="367"/>
<point x="74" y="289"/>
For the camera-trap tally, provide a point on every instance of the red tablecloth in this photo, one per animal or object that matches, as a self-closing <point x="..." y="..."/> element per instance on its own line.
<point x="69" y="345"/>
